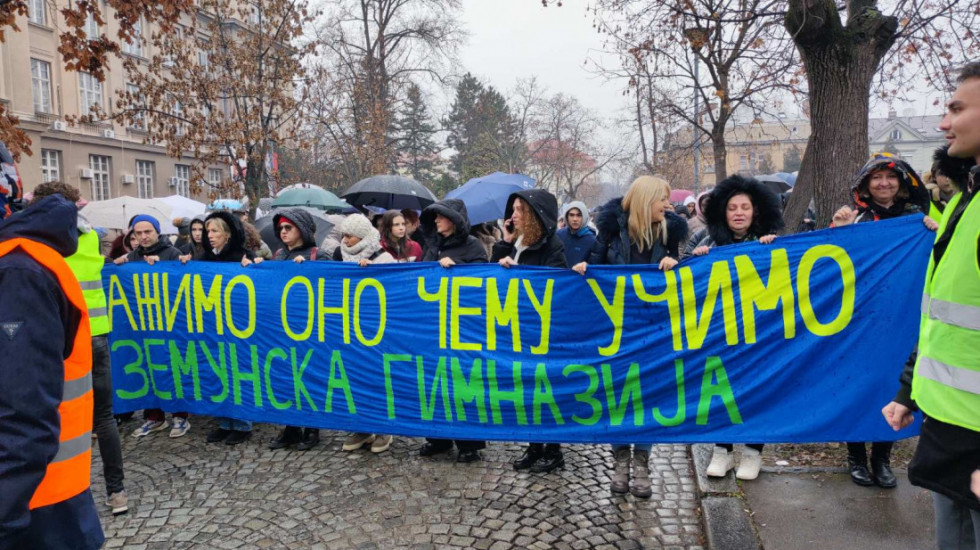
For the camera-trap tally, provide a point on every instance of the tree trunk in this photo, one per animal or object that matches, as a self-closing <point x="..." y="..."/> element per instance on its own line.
<point x="840" y="64"/>
<point x="720" y="150"/>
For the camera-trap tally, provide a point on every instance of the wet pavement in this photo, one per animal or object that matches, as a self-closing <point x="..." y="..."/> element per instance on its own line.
<point x="185" y="493"/>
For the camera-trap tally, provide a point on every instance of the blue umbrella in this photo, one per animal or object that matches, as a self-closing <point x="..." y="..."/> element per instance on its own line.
<point x="486" y="197"/>
<point x="226" y="204"/>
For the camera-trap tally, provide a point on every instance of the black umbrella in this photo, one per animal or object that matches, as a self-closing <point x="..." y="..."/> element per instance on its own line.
<point x="774" y="183"/>
<point x="389" y="192"/>
<point x="268" y="232"/>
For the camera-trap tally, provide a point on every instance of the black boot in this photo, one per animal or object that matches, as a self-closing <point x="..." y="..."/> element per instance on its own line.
<point x="882" y="471"/>
<point x="531" y="455"/>
<point x="290" y="435"/>
<point x="859" y="471"/>
<point x="552" y="459"/>
<point x="311" y="437"/>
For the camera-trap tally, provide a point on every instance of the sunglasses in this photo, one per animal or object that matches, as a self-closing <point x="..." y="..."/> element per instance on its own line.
<point x="286" y="227"/>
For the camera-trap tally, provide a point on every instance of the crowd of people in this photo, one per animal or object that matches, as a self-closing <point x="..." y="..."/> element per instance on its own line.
<point x="68" y="331"/>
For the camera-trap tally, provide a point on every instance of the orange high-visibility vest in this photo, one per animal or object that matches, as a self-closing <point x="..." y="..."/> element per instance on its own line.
<point x="67" y="475"/>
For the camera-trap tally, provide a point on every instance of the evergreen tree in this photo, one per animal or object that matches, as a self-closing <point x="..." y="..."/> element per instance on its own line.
<point x="481" y="130"/>
<point x="415" y="147"/>
<point x="462" y="122"/>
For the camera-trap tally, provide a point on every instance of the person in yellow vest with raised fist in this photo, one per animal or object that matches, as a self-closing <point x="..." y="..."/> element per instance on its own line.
<point x="944" y="381"/>
<point x="46" y="390"/>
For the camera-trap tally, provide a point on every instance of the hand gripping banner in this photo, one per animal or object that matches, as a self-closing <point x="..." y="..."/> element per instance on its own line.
<point x="802" y="340"/>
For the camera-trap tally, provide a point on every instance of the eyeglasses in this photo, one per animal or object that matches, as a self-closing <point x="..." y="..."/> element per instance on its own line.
<point x="286" y="227"/>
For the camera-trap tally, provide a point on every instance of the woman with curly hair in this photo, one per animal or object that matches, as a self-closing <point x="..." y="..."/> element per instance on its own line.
<point x="738" y="210"/>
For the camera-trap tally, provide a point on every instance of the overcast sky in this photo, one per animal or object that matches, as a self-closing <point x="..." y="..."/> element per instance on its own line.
<point x="511" y="39"/>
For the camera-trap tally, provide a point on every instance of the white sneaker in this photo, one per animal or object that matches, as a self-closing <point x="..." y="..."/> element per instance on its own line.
<point x="149" y="427"/>
<point x="721" y="462"/>
<point x="750" y="464"/>
<point x="181" y="425"/>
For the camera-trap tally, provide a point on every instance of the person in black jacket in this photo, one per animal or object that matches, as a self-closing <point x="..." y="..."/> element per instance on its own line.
<point x="530" y="239"/>
<point x="38" y="327"/>
<point x="637" y="229"/>
<point x="738" y="210"/>
<point x="152" y="248"/>
<point x="194" y="248"/>
<point x="226" y="243"/>
<point x="448" y="241"/>
<point x="296" y="230"/>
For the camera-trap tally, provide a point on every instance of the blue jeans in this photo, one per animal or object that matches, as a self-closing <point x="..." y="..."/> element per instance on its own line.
<point x="646" y="447"/>
<point x="234" y="425"/>
<point x="957" y="527"/>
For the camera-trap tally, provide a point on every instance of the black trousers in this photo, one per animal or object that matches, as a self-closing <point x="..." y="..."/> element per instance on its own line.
<point x="880" y="450"/>
<point x="728" y="446"/>
<point x="462" y="445"/>
<point x="103" y="422"/>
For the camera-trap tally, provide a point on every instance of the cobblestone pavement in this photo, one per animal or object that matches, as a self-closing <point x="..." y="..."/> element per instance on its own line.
<point x="185" y="493"/>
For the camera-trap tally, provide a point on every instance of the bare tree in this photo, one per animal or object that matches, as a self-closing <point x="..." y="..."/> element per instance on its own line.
<point x="373" y="49"/>
<point x="703" y="60"/>
<point x="569" y="150"/>
<point x="227" y="87"/>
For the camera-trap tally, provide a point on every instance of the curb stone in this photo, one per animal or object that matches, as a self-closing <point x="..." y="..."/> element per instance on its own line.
<point x="727" y="524"/>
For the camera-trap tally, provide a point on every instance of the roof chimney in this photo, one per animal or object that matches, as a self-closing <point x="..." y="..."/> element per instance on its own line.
<point x="891" y="113"/>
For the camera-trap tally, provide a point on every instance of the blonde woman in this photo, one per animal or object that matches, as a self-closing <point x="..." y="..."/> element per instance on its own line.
<point x="637" y="229"/>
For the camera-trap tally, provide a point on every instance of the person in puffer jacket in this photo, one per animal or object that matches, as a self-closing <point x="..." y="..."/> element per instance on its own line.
<point x="446" y="227"/>
<point x="637" y="229"/>
<point x="296" y="230"/>
<point x="886" y="187"/>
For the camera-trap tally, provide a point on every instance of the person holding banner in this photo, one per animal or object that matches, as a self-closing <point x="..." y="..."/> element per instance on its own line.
<point x="530" y="239"/>
<point x="153" y="249"/>
<point x="296" y="230"/>
<point x="446" y="227"/>
<point x="637" y="229"/>
<point x="361" y="244"/>
<point x="194" y="248"/>
<point x="886" y="187"/>
<point x="395" y="239"/>
<point x="226" y="240"/>
<point x="943" y="382"/>
<point x="738" y="210"/>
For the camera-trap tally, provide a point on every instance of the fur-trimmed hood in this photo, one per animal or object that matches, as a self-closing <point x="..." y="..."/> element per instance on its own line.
<point x="908" y="180"/>
<point x="235" y="248"/>
<point x="612" y="223"/>
<point x="767" y="215"/>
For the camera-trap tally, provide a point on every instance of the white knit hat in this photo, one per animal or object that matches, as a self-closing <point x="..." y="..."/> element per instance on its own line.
<point x="356" y="225"/>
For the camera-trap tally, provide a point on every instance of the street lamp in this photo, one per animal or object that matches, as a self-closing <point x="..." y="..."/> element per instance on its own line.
<point x="697" y="37"/>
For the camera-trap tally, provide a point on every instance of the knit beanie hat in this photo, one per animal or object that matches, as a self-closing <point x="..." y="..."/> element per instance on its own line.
<point x="356" y="225"/>
<point x="145" y="218"/>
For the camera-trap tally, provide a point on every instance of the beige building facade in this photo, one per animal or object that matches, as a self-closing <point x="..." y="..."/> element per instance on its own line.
<point x="104" y="159"/>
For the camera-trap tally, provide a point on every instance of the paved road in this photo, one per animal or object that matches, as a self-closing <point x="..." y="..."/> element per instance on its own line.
<point x="185" y="493"/>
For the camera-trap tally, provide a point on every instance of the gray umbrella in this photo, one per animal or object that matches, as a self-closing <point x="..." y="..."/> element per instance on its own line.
<point x="389" y="192"/>
<point x="268" y="232"/>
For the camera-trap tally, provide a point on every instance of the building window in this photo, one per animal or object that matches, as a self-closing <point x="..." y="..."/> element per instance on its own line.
<point x="204" y="60"/>
<point x="136" y="48"/>
<point x="214" y="177"/>
<point x="743" y="162"/>
<point x="100" y="177"/>
<point x="90" y="92"/>
<point x="36" y="12"/>
<point x="896" y="135"/>
<point x="144" y="178"/>
<point x="91" y="27"/>
<point x="50" y="165"/>
<point x="41" y="81"/>
<point x="139" y="116"/>
<point x="182" y="178"/>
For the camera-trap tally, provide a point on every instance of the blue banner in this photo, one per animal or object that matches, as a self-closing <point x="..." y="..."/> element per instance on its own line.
<point x="802" y="340"/>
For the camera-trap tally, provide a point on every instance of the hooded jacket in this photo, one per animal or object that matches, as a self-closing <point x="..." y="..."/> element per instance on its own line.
<point x="190" y="247"/>
<point x="908" y="180"/>
<point x="307" y="230"/>
<point x="39" y="324"/>
<point x="578" y="243"/>
<point x="549" y="250"/>
<point x="461" y="247"/>
<point x="612" y="245"/>
<point x="767" y="216"/>
<point x="234" y="249"/>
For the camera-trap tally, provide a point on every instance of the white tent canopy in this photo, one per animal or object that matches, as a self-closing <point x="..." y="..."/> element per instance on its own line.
<point x="116" y="213"/>
<point x="183" y="207"/>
